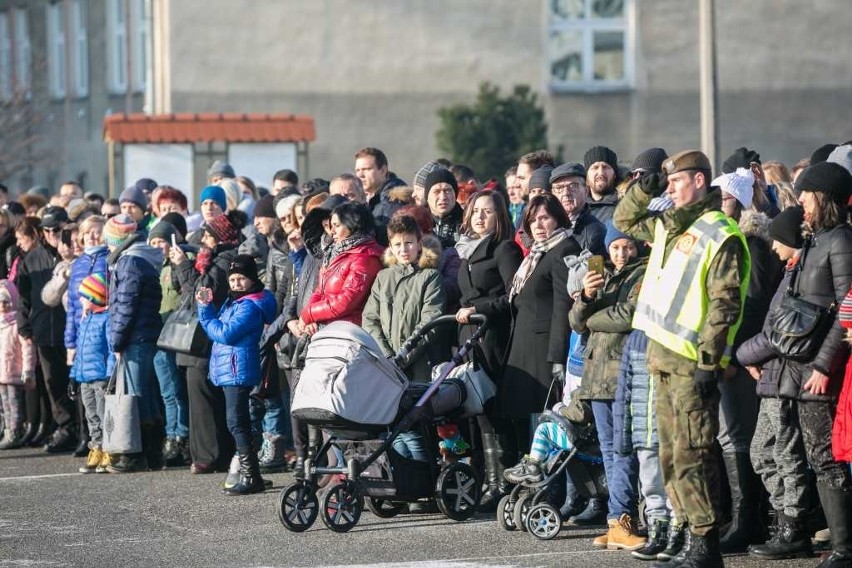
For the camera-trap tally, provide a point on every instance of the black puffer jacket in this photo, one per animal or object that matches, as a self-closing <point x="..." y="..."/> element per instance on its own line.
<point x="37" y="321"/>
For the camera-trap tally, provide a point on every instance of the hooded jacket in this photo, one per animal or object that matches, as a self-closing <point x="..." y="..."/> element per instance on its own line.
<point x="93" y="260"/>
<point x="16" y="355"/>
<point x="94" y="359"/>
<point x="383" y="204"/>
<point x="402" y="298"/>
<point x="235" y="333"/>
<point x="134" y="293"/>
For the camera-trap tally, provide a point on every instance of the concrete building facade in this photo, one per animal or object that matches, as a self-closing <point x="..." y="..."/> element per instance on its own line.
<point x="623" y="73"/>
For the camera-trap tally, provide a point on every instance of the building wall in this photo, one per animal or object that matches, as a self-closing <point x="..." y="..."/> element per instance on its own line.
<point x="375" y="73"/>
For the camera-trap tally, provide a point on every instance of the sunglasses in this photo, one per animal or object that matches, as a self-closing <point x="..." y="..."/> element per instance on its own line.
<point x="52" y="229"/>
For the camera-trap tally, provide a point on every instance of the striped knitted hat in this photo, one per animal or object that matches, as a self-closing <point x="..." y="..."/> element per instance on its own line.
<point x="117" y="229"/>
<point x="94" y="288"/>
<point x="845" y="313"/>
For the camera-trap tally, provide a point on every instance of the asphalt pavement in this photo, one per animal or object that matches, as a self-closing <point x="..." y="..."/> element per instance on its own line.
<point x="52" y="516"/>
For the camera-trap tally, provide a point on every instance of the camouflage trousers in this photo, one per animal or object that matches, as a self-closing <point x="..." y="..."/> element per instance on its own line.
<point x="687" y="426"/>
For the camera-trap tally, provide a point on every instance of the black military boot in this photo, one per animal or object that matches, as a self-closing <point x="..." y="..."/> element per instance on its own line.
<point x="250" y="479"/>
<point x="496" y="485"/>
<point x="790" y="540"/>
<point x="676" y="541"/>
<point x="746" y="526"/>
<point x="703" y="551"/>
<point x="837" y="505"/>
<point x="657" y="541"/>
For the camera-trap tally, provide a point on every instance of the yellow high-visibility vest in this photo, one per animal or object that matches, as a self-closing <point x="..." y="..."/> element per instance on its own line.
<point x="672" y="305"/>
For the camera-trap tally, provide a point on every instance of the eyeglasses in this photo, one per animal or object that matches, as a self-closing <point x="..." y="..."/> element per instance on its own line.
<point x="564" y="188"/>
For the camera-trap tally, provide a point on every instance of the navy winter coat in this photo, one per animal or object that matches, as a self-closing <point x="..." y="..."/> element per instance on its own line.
<point x="235" y="333"/>
<point x="94" y="359"/>
<point x="93" y="260"/>
<point x="634" y="411"/>
<point x="134" y="293"/>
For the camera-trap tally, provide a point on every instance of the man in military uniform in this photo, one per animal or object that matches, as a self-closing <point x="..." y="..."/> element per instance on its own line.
<point x="690" y="307"/>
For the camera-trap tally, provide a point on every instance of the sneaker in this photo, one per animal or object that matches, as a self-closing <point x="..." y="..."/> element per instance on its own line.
<point x="675" y="542"/>
<point x="106" y="461"/>
<point x="593" y="514"/>
<point x="128" y="463"/>
<point x="622" y="534"/>
<point x="657" y="541"/>
<point x="93" y="460"/>
<point x="273" y="460"/>
<point x="528" y="471"/>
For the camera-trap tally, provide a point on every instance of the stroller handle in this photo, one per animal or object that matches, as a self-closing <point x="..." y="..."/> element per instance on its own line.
<point x="420" y="333"/>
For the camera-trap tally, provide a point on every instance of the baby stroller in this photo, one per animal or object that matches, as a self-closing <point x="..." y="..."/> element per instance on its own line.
<point x="526" y="507"/>
<point x="363" y="401"/>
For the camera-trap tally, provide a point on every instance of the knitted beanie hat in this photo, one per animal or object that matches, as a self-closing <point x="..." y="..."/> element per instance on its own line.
<point x="842" y="155"/>
<point x="741" y="158"/>
<point x="214" y="193"/>
<point x="827" y="177"/>
<point x="264" y="207"/>
<point x="441" y="175"/>
<point x="164" y="230"/>
<point x="135" y="195"/>
<point x="95" y="289"/>
<point x="118" y="229"/>
<point x="244" y="264"/>
<point x="786" y="227"/>
<point x="600" y="154"/>
<point x="740" y="184"/>
<point x="177" y="221"/>
<point x="540" y="179"/>
<point x="613" y="234"/>
<point x="222" y="229"/>
<point x="651" y="160"/>
<point x="428" y="168"/>
<point x="822" y="153"/>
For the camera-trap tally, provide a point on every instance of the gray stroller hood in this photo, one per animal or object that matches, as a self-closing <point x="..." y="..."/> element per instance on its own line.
<point x="347" y="381"/>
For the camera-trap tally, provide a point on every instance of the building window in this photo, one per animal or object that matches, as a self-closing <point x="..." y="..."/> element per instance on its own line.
<point x="5" y="58"/>
<point x="56" y="70"/>
<point x="79" y="33"/>
<point x="590" y="44"/>
<point x="127" y="36"/>
<point x="23" y="52"/>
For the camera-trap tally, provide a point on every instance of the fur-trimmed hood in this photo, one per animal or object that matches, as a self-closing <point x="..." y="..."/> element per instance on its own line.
<point x="755" y="224"/>
<point x="401" y="194"/>
<point x="430" y="253"/>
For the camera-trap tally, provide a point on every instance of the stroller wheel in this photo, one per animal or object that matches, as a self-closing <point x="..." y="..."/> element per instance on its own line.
<point x="458" y="491"/>
<point x="522" y="507"/>
<point x="506" y="513"/>
<point x="297" y="507"/>
<point x="383" y="508"/>
<point x="342" y="506"/>
<point x="544" y="521"/>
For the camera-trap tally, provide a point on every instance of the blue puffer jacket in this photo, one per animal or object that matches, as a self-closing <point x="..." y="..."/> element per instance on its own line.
<point x="235" y="332"/>
<point x="634" y="414"/>
<point x="93" y="259"/>
<point x="94" y="360"/>
<point x="134" y="293"/>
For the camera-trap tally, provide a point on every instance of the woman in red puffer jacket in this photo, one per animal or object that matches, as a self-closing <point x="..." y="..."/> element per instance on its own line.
<point x="841" y="436"/>
<point x="349" y="268"/>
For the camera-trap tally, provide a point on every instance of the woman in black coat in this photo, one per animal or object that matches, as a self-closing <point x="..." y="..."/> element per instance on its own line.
<point x="539" y="337"/>
<point x="489" y="260"/>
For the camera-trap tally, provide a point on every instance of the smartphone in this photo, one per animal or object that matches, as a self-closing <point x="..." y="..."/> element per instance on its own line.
<point x="596" y="264"/>
<point x="174" y="240"/>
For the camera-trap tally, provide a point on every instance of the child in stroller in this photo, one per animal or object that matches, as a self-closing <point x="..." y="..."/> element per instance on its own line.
<point x="564" y="441"/>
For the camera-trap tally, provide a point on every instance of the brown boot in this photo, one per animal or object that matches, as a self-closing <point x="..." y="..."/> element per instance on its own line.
<point x="622" y="535"/>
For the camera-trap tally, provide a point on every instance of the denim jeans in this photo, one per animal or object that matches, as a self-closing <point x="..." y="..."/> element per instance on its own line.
<point x="410" y="445"/>
<point x="173" y="391"/>
<point x="92" y="395"/>
<point x="238" y="416"/>
<point x="137" y="361"/>
<point x="657" y="504"/>
<point x="621" y="470"/>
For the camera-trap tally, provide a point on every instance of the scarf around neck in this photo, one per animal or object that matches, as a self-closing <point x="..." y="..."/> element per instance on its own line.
<point x="346" y="244"/>
<point x="467" y="245"/>
<point x="528" y="265"/>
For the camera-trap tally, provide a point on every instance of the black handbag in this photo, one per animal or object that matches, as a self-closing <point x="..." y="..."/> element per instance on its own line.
<point x="182" y="332"/>
<point x="797" y="327"/>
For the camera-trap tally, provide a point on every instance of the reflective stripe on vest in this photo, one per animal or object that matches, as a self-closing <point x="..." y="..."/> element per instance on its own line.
<point x="672" y="304"/>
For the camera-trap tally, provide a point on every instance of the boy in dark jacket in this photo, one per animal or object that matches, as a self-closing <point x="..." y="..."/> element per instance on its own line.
<point x="135" y="324"/>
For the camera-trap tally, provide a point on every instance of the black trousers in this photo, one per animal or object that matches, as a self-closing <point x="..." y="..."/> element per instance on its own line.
<point x="210" y="442"/>
<point x="38" y="403"/>
<point x="300" y="429"/>
<point x="55" y="370"/>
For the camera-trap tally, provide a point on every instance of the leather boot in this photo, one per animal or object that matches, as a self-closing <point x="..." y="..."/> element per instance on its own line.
<point x="746" y="526"/>
<point x="127" y="463"/>
<point x="250" y="479"/>
<point x="177" y="453"/>
<point x="12" y="439"/>
<point x="790" y="540"/>
<point x="657" y="541"/>
<point x="42" y="435"/>
<point x="677" y="545"/>
<point x="29" y="434"/>
<point x="837" y="505"/>
<point x="594" y="514"/>
<point x="496" y="486"/>
<point x="704" y="551"/>
<point x="63" y="440"/>
<point x="152" y="444"/>
<point x="82" y="448"/>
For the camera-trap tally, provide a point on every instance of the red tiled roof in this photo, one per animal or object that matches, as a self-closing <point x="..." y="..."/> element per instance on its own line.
<point x="140" y="128"/>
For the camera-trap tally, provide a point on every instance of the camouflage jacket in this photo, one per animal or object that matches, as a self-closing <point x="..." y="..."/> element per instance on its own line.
<point x="723" y="279"/>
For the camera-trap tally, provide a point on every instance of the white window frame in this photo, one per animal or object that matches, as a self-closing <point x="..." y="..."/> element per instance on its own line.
<point x="5" y="57"/>
<point x="23" y="52"/>
<point x="588" y="25"/>
<point x="79" y="33"/>
<point x="56" y="45"/>
<point x="120" y="39"/>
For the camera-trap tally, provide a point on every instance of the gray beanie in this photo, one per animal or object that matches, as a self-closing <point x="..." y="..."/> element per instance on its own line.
<point x="540" y="179"/>
<point x="222" y="168"/>
<point x="422" y="173"/>
<point x="134" y="194"/>
<point x="842" y="155"/>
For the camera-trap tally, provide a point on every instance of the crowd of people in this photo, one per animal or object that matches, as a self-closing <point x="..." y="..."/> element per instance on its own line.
<point x="648" y="301"/>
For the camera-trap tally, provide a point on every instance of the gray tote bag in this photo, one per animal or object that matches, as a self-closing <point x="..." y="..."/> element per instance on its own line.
<point x="122" y="434"/>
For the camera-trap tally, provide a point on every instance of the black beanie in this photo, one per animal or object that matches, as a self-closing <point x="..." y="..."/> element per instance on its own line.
<point x="244" y="264"/>
<point x="164" y="230"/>
<point x="601" y="154"/>
<point x="541" y="178"/>
<point x="827" y="177"/>
<point x="441" y="175"/>
<point x="741" y="158"/>
<point x="265" y="208"/>
<point x="786" y="227"/>
<point x="177" y="221"/>
<point x="821" y="154"/>
<point x="651" y="160"/>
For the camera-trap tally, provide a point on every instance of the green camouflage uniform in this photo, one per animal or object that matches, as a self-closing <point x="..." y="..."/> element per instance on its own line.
<point x="688" y="424"/>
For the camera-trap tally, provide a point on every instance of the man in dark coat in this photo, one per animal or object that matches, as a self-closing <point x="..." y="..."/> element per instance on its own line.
<point x="371" y="167"/>
<point x="568" y="184"/>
